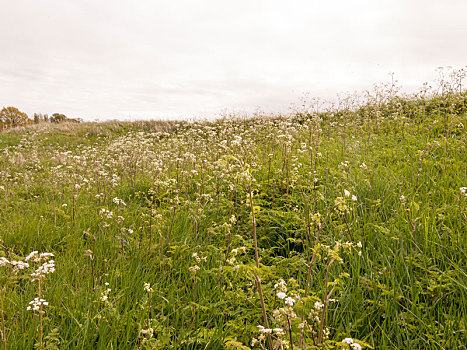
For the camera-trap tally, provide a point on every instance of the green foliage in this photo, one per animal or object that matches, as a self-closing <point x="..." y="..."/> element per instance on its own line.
<point x="359" y="213"/>
<point x="11" y="117"/>
<point x="58" y="118"/>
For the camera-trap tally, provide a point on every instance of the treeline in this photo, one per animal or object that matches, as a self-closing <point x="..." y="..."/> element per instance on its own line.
<point x="11" y="117"/>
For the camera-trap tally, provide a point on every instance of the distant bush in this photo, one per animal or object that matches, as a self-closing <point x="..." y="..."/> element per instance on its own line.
<point x="60" y="118"/>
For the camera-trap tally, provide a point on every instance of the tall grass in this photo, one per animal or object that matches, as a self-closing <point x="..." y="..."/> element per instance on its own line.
<point x="299" y="231"/>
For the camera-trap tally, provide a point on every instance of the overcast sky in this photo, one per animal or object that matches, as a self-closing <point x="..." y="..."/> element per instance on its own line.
<point x="171" y="59"/>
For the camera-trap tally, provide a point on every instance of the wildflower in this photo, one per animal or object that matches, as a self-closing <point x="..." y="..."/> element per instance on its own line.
<point x="356" y="346"/>
<point x="3" y="261"/>
<point x="347" y="193"/>
<point x="264" y="330"/>
<point x="149" y="331"/>
<point x="278" y="331"/>
<point x="347" y="341"/>
<point x="281" y="295"/>
<point x="45" y="269"/>
<point x="463" y="191"/>
<point x="118" y="201"/>
<point x="194" y="268"/>
<point x="31" y="255"/>
<point x="318" y="305"/>
<point x="35" y="305"/>
<point x="147" y="287"/>
<point x="354" y="198"/>
<point x="290" y="301"/>
<point x="281" y="286"/>
<point x="19" y="265"/>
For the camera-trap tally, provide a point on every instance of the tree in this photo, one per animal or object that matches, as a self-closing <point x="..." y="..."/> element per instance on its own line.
<point x="12" y="116"/>
<point x="58" y="118"/>
<point x="39" y="118"/>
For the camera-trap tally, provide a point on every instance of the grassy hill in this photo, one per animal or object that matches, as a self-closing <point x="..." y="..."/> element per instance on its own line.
<point x="319" y="226"/>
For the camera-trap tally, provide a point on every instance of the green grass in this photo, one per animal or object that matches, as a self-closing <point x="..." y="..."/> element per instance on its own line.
<point x="183" y="182"/>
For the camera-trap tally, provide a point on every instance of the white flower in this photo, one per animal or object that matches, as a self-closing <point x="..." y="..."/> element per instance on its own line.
<point x="35" y="305"/>
<point x="354" y="198"/>
<point x="281" y="295"/>
<point x="289" y="301"/>
<point x="149" y="331"/>
<point x="19" y="265"/>
<point x="194" y="268"/>
<point x="347" y="341"/>
<point x="44" y="269"/>
<point x="356" y="346"/>
<point x="3" y="261"/>
<point x="347" y="193"/>
<point x="463" y="191"/>
<point x="359" y="244"/>
<point x="147" y="287"/>
<point x="264" y="330"/>
<point x="31" y="255"/>
<point x="118" y="201"/>
<point x="281" y="286"/>
<point x="318" y="305"/>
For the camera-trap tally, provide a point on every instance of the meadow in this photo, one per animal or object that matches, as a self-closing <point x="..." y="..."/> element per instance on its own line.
<point x="342" y="228"/>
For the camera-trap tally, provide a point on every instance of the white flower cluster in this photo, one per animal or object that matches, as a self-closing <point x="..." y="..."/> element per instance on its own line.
<point x="105" y="293"/>
<point x="105" y="213"/>
<point x="199" y="258"/>
<point x="119" y="201"/>
<point x="353" y="345"/>
<point x="463" y="191"/>
<point x="147" y="287"/>
<point x="149" y="332"/>
<point x="45" y="269"/>
<point x="282" y="287"/>
<point x="264" y="331"/>
<point x="36" y="305"/>
<point x="194" y="268"/>
<point x="19" y="265"/>
<point x="347" y="194"/>
<point x="4" y="261"/>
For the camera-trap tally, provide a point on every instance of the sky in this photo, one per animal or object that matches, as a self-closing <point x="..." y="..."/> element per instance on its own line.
<point x="158" y="59"/>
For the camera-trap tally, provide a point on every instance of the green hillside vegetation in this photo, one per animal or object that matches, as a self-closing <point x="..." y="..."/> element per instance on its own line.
<point x="337" y="228"/>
